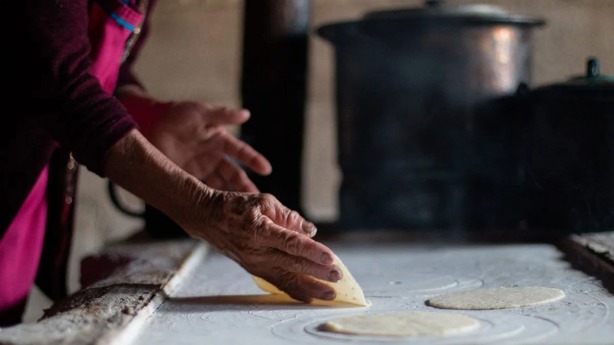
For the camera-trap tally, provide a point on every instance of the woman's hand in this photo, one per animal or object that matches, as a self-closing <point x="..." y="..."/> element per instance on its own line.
<point x="256" y="230"/>
<point x="269" y="241"/>
<point x="194" y="136"/>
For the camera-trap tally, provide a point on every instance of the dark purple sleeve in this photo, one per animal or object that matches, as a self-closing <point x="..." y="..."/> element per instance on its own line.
<point x="59" y="92"/>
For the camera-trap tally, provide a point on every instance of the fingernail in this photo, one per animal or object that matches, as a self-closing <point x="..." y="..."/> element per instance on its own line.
<point x="326" y="259"/>
<point x="328" y="295"/>
<point x="335" y="276"/>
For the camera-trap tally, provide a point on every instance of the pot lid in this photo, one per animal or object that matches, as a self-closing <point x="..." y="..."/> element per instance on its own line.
<point x="593" y="79"/>
<point x="593" y="85"/>
<point x="434" y="14"/>
<point x="438" y="10"/>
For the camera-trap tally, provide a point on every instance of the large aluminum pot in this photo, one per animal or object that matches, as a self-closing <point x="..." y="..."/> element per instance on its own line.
<point x="407" y="83"/>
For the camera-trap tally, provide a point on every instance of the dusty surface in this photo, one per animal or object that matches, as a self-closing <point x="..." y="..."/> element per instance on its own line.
<point x="220" y="304"/>
<point x="130" y="283"/>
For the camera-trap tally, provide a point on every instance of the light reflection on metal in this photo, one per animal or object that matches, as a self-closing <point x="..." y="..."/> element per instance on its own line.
<point x="504" y="39"/>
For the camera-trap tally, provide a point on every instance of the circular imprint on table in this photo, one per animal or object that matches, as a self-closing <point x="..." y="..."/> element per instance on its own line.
<point x="496" y="298"/>
<point x="407" y="287"/>
<point x="495" y="326"/>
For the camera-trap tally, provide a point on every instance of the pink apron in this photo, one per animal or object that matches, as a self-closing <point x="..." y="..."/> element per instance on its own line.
<point x="112" y="23"/>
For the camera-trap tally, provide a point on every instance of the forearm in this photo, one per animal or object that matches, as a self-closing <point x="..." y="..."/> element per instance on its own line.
<point x="137" y="166"/>
<point x="255" y="229"/>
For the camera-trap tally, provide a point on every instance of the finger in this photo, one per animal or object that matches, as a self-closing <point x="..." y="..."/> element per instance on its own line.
<point x="289" y="219"/>
<point x="246" y="155"/>
<point x="302" y="287"/>
<point x="296" y="244"/>
<point x="226" y="176"/>
<point x="298" y="264"/>
<point x="217" y="115"/>
<point x="236" y="177"/>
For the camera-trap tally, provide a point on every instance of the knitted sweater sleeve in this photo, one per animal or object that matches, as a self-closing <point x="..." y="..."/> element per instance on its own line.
<point x="60" y="93"/>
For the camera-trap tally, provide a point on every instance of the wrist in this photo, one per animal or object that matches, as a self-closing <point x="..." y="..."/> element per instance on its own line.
<point x="137" y="166"/>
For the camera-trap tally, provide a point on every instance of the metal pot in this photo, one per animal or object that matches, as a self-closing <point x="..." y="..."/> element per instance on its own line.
<point x="407" y="84"/>
<point x="569" y="154"/>
<point x="545" y="158"/>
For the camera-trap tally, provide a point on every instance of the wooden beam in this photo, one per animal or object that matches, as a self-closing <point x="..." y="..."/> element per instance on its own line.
<point x="592" y="253"/>
<point x="125" y="283"/>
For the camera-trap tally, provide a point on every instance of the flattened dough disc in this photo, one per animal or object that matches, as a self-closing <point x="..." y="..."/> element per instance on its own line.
<point x="402" y="324"/>
<point x="349" y="293"/>
<point x="497" y="298"/>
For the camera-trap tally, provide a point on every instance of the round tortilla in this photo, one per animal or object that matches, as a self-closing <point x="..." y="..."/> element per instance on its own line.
<point x="348" y="292"/>
<point x="402" y="324"/>
<point x="497" y="298"/>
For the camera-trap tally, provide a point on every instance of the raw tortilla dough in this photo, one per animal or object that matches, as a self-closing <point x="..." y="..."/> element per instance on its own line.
<point x="349" y="293"/>
<point x="402" y="324"/>
<point x="497" y="298"/>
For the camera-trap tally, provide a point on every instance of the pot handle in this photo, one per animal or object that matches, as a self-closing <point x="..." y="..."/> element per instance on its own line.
<point x="592" y="68"/>
<point x="117" y="203"/>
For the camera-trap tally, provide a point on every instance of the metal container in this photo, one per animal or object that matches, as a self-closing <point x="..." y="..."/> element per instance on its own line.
<point x="407" y="84"/>
<point x="569" y="153"/>
<point x="544" y="158"/>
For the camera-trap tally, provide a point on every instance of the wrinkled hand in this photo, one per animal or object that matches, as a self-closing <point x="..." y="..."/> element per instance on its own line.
<point x="269" y="241"/>
<point x="193" y="136"/>
<point x="256" y="230"/>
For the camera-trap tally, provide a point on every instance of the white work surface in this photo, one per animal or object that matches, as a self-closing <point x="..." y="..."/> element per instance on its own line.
<point x="215" y="302"/>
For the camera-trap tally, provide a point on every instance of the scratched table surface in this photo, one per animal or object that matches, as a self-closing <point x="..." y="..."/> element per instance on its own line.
<point x="218" y="303"/>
